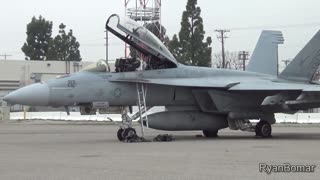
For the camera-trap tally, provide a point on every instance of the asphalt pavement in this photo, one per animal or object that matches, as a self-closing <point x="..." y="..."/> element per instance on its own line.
<point x="63" y="150"/>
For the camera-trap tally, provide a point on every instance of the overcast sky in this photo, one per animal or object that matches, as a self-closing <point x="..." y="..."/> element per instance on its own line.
<point x="245" y="18"/>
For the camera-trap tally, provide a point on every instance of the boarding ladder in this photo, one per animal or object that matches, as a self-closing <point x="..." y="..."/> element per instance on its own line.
<point x="141" y="91"/>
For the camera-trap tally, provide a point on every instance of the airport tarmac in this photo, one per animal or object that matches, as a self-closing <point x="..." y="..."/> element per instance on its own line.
<point x="61" y="150"/>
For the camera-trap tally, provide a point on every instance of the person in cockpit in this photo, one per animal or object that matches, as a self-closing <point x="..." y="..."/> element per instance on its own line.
<point x="127" y="64"/>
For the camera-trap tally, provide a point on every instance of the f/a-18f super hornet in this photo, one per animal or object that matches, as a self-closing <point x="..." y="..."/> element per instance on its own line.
<point x="195" y="98"/>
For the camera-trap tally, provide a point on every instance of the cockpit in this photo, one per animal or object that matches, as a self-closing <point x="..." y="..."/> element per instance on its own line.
<point x="152" y="53"/>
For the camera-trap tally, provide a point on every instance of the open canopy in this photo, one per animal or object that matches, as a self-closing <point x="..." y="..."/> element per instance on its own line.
<point x="140" y="38"/>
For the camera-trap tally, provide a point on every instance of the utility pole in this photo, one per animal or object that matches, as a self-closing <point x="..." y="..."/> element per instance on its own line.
<point x="5" y="56"/>
<point x="221" y="36"/>
<point x="244" y="55"/>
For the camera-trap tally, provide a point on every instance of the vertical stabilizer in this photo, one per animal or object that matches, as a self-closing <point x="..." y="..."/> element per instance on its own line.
<point x="306" y="63"/>
<point x="264" y="58"/>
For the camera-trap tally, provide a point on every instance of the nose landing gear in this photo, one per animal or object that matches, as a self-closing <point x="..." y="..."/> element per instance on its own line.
<point x="126" y="134"/>
<point x="126" y="131"/>
<point x="120" y="134"/>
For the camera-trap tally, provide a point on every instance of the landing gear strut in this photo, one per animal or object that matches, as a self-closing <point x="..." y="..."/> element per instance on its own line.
<point x="263" y="129"/>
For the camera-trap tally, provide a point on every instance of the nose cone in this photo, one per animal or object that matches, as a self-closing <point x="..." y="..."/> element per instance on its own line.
<point x="32" y="95"/>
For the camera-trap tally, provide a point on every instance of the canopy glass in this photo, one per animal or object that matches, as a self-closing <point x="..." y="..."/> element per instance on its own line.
<point x="140" y="38"/>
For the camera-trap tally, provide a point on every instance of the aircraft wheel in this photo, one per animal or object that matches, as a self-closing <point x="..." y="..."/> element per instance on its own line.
<point x="210" y="133"/>
<point x="263" y="129"/>
<point x="129" y="132"/>
<point x="120" y="135"/>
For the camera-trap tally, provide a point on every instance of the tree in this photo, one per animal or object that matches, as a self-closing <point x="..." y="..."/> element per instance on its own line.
<point x="189" y="48"/>
<point x="158" y="30"/>
<point x="64" y="47"/>
<point x="175" y="48"/>
<point x="231" y="58"/>
<point x="38" y="37"/>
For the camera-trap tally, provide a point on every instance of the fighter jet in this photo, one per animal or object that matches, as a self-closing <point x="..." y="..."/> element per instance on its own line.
<point x="195" y="98"/>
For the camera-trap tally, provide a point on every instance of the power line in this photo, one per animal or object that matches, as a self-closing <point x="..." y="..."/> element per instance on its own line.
<point x="5" y="56"/>
<point x="303" y="25"/>
<point x="221" y="36"/>
<point x="285" y="26"/>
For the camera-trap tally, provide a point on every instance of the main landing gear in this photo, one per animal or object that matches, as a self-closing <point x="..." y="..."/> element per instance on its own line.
<point x="210" y="133"/>
<point x="263" y="129"/>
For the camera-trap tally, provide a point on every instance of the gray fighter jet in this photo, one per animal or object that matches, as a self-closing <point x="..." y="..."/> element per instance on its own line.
<point x="195" y="98"/>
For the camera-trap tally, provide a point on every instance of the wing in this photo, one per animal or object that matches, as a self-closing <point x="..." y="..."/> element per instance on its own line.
<point x="221" y="95"/>
<point x="247" y="84"/>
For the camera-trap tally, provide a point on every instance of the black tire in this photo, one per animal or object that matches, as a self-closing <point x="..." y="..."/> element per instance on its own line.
<point x="129" y="132"/>
<point x="263" y="129"/>
<point x="258" y="129"/>
<point x="210" y="133"/>
<point x="120" y="135"/>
